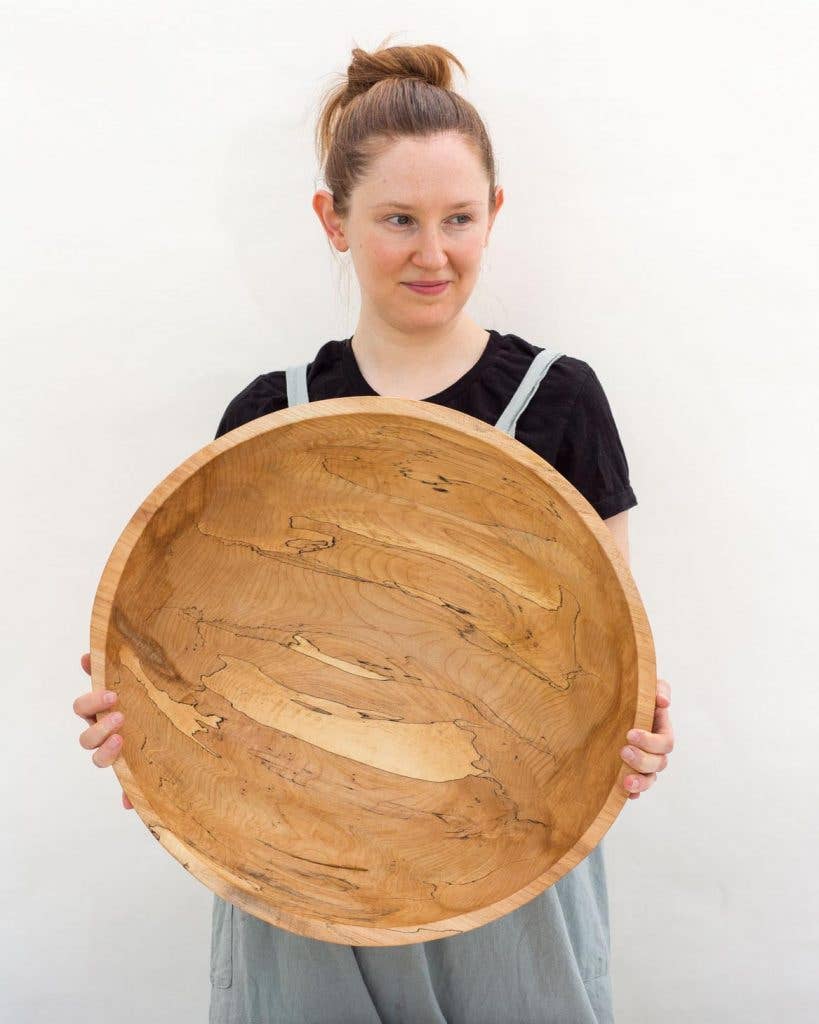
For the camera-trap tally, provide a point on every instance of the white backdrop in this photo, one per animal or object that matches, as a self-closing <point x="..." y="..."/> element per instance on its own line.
<point x="659" y="162"/>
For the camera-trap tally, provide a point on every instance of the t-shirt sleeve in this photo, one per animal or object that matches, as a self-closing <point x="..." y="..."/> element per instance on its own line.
<point x="226" y="423"/>
<point x="591" y="455"/>
<point x="262" y="395"/>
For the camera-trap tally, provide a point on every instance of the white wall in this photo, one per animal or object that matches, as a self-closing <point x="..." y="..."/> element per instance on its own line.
<point x="158" y="251"/>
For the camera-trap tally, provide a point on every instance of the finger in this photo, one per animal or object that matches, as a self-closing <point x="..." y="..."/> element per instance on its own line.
<point x="652" y="742"/>
<point x="662" y="728"/>
<point x="126" y="803"/>
<point x="95" y="734"/>
<point x="85" y="661"/>
<point x="108" y="752"/>
<point x="87" y="705"/>
<point x="636" y="783"/>
<point x="643" y="762"/>
<point x="663" y="693"/>
<point x="634" y="796"/>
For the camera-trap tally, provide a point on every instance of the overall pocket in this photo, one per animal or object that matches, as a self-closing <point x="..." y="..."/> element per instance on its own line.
<point x="221" y="943"/>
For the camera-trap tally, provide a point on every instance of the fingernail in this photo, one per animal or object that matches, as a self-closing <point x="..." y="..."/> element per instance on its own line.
<point x="627" y="752"/>
<point x="116" y="718"/>
<point x="110" y="697"/>
<point x="634" y="735"/>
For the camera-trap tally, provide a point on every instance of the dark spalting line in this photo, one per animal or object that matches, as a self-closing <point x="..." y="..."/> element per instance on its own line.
<point x="480" y="581"/>
<point x="492" y="871"/>
<point x="431" y="896"/>
<point x="388" y="808"/>
<point x="407" y="472"/>
<point x="279" y="769"/>
<point x="206" y="854"/>
<point x="319" y="526"/>
<point x="426" y="929"/>
<point x="393" y="898"/>
<point x="340" y="884"/>
<point x="311" y="707"/>
<point x="385" y="670"/>
<point x="244" y="629"/>
<point x="374" y="666"/>
<point x="531" y="821"/>
<point x="310" y="860"/>
<point x="205" y="829"/>
<point x="373" y="716"/>
<point x="321" y="907"/>
<point x="270" y="883"/>
<point x="511" y="656"/>
<point x="201" y="639"/>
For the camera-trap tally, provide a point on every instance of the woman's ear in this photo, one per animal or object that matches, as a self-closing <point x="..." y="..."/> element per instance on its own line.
<point x="330" y="221"/>
<point x="493" y="215"/>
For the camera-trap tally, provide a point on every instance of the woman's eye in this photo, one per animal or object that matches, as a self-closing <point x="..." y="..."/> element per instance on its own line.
<point x="406" y="217"/>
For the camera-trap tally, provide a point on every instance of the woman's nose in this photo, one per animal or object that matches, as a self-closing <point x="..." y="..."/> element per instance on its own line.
<point x="431" y="251"/>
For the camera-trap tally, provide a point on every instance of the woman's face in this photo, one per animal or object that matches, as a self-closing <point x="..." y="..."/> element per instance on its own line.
<point x="420" y="214"/>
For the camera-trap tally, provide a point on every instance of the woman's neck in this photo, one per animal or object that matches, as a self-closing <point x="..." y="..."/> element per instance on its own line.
<point x="415" y="366"/>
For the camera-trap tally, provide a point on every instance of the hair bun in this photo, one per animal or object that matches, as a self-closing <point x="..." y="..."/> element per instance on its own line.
<point x="387" y="94"/>
<point x="427" y="62"/>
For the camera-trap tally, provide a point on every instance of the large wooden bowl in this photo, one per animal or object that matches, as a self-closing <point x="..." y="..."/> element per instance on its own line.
<point x="377" y="660"/>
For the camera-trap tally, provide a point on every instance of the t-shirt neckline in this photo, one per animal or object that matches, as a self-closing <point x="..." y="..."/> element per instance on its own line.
<point x="358" y="385"/>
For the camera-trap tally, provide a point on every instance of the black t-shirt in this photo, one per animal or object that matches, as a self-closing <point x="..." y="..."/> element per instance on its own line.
<point x="568" y="421"/>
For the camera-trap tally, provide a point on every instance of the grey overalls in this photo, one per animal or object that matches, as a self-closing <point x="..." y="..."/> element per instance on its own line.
<point x="545" y="963"/>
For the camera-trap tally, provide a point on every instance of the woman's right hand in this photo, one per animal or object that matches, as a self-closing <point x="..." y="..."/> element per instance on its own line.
<point x="100" y="736"/>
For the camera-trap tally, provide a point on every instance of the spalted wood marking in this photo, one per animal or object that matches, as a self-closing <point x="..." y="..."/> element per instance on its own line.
<point x="435" y="751"/>
<point x="303" y="646"/>
<point x="184" y="717"/>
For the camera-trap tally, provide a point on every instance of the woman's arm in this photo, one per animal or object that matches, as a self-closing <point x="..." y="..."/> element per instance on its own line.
<point x="619" y="527"/>
<point x="648" y="752"/>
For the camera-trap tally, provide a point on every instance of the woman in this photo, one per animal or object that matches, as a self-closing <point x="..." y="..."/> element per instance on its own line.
<point x="413" y="199"/>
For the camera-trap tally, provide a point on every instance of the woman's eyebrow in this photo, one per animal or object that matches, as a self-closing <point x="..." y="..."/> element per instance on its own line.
<point x="408" y="206"/>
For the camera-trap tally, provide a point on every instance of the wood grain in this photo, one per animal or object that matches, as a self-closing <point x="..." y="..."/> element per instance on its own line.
<point x="377" y="660"/>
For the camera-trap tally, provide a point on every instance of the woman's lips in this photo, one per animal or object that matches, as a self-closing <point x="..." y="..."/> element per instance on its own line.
<point x="424" y="289"/>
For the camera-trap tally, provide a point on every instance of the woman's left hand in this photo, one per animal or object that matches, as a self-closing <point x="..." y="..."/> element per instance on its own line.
<point x="649" y="750"/>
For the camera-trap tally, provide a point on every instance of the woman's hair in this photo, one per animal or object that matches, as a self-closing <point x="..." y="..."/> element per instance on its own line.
<point x="385" y="95"/>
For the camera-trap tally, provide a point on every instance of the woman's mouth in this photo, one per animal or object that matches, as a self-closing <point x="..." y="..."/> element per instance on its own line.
<point x="427" y="289"/>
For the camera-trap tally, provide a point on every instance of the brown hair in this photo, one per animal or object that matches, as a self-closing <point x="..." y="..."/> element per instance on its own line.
<point x="390" y="93"/>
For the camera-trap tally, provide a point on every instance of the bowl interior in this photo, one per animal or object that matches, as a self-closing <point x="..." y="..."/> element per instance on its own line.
<point x="377" y="668"/>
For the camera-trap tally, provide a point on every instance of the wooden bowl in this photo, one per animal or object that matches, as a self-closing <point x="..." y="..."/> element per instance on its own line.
<point x="377" y="661"/>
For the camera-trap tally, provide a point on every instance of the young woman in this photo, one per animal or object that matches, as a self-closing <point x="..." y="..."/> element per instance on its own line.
<point x="412" y="199"/>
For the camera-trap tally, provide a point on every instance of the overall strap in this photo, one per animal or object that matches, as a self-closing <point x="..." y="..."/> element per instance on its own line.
<point x="296" y="377"/>
<point x="538" y="368"/>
